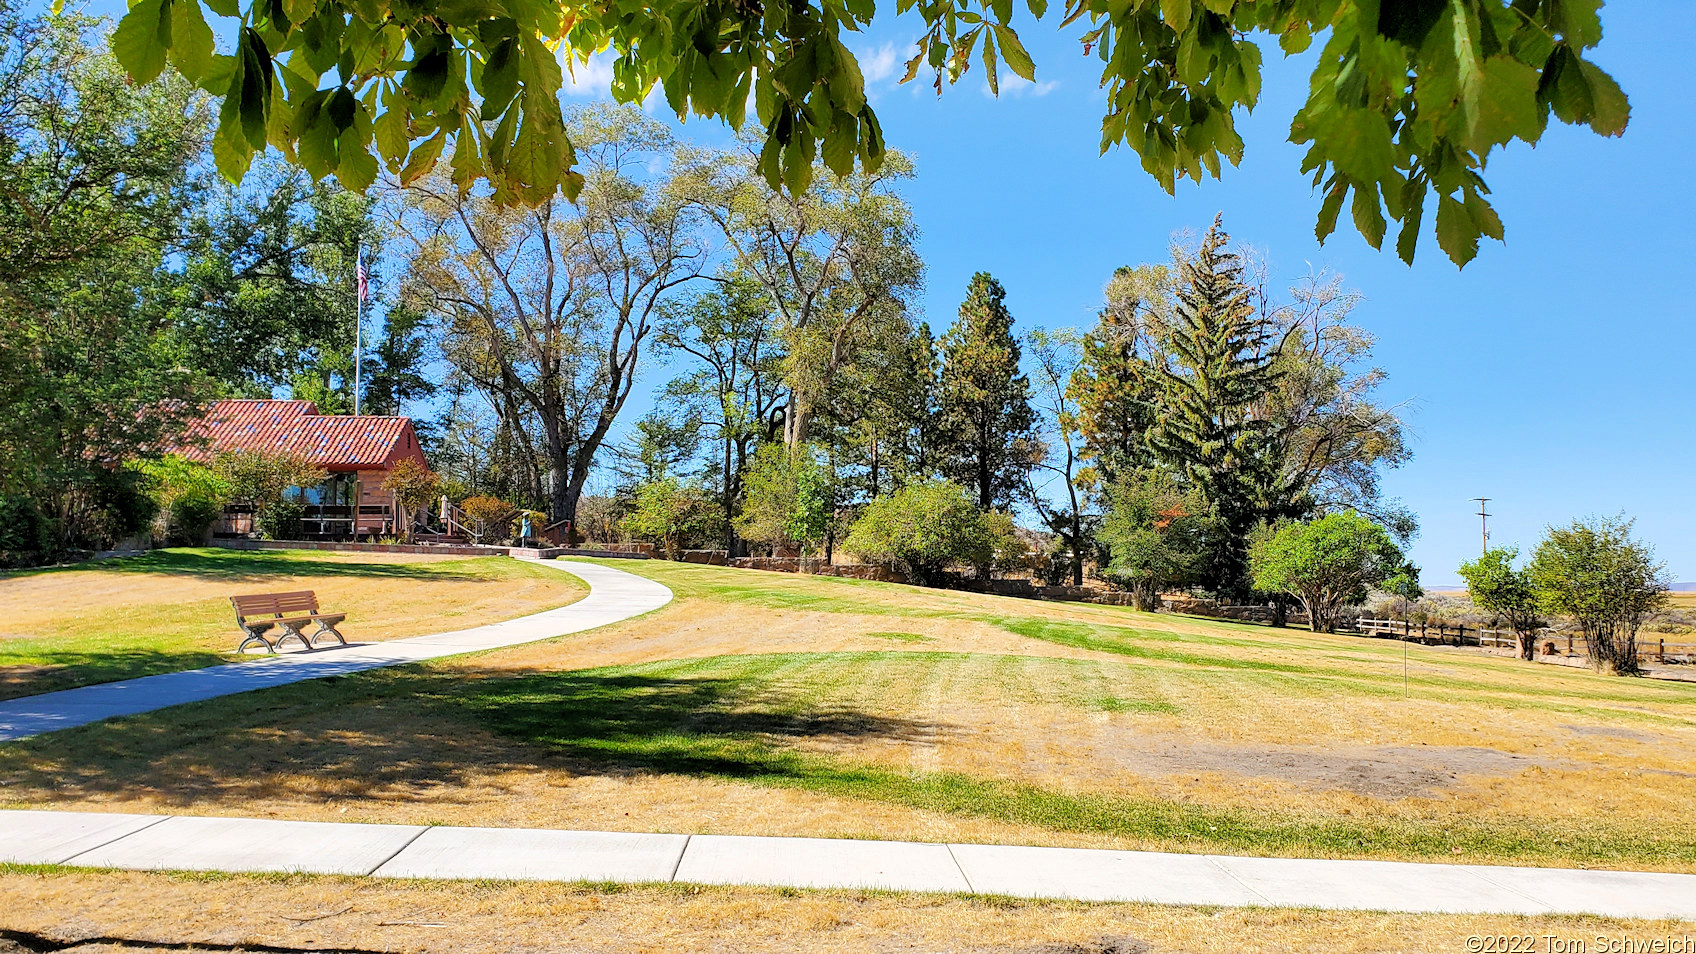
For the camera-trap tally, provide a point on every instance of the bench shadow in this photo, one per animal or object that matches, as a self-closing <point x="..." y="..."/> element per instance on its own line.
<point x="414" y="736"/>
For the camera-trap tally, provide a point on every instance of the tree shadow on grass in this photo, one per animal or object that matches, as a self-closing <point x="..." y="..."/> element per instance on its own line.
<point x="412" y="735"/>
<point x="619" y="722"/>
<point x="52" y="670"/>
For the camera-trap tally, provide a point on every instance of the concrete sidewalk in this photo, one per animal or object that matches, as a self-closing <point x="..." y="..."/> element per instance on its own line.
<point x="161" y="842"/>
<point x="613" y="596"/>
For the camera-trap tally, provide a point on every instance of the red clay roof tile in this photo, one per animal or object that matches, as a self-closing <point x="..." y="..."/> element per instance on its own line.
<point x="334" y="441"/>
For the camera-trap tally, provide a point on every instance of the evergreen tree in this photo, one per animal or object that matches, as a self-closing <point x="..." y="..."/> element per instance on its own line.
<point x="985" y="401"/>
<point x="1220" y="364"/>
<point x="1111" y="385"/>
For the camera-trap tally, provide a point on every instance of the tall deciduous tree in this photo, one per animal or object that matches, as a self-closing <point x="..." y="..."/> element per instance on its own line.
<point x="262" y="293"/>
<point x="735" y="385"/>
<point x="547" y="310"/>
<point x="1056" y="362"/>
<point x="836" y="261"/>
<point x="95" y="175"/>
<point x="985" y="399"/>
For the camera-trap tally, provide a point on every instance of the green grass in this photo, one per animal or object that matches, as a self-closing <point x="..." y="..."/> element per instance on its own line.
<point x="168" y="610"/>
<point x="811" y="721"/>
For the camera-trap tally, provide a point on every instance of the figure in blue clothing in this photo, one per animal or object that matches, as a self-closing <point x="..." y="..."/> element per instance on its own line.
<point x="524" y="528"/>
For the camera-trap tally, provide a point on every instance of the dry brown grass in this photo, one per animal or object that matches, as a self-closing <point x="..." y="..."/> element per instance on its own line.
<point x="1535" y="750"/>
<point x="170" y="609"/>
<point x="499" y="918"/>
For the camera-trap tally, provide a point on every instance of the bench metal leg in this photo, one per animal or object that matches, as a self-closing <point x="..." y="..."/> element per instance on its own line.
<point x="254" y="638"/>
<point x="325" y="630"/>
<point x="293" y="633"/>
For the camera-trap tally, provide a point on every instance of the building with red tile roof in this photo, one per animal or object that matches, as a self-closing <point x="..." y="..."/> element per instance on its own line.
<point x="357" y="450"/>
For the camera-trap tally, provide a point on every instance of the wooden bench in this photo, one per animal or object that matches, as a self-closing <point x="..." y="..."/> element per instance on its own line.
<point x="259" y="613"/>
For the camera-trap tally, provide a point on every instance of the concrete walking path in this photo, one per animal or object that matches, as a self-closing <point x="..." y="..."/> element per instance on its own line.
<point x="614" y="595"/>
<point x="188" y="843"/>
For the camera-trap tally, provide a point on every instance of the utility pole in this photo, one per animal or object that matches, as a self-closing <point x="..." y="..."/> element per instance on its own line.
<point x="358" y="320"/>
<point x="1484" y="521"/>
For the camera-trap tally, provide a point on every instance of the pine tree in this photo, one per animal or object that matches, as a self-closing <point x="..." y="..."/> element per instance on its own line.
<point x="1221" y="355"/>
<point x="1111" y="385"/>
<point x="989" y="428"/>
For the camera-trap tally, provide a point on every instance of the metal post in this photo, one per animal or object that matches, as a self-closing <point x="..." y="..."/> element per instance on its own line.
<point x="1484" y="521"/>
<point x="358" y="319"/>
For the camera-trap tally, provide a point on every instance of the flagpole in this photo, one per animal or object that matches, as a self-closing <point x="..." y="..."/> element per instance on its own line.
<point x="358" y="319"/>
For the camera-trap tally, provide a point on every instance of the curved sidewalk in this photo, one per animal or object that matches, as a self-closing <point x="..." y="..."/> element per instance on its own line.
<point x="614" y="595"/>
<point x="196" y="843"/>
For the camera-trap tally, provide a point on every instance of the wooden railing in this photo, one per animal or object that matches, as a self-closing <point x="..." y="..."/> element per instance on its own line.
<point x="1656" y="649"/>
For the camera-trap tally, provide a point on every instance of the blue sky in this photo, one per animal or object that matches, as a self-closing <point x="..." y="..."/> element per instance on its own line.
<point x="1552" y="374"/>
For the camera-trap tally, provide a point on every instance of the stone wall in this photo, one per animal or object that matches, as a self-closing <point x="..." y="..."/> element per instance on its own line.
<point x="856" y="571"/>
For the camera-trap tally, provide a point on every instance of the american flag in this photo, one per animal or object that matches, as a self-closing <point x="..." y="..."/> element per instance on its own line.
<point x="359" y="272"/>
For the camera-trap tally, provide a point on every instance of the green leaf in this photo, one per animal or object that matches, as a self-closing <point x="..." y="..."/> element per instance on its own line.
<point x="1014" y="53"/>
<point x="1368" y="215"/>
<point x="1483" y="215"/>
<point x="1358" y="143"/>
<point x="254" y="96"/>
<point x="1610" y="110"/>
<point x="424" y="156"/>
<point x="357" y="168"/>
<point x="1328" y="210"/>
<point x="991" y="68"/>
<point x="390" y="130"/>
<point x="1507" y="108"/>
<point x="142" y="39"/>
<point x="191" y="40"/>
<point x="1579" y="22"/>
<point x="317" y="146"/>
<point x="224" y="8"/>
<point x="1037" y="7"/>
<point x="231" y="152"/>
<point x="1456" y="232"/>
<point x="1176" y="13"/>
<point x="1413" y="217"/>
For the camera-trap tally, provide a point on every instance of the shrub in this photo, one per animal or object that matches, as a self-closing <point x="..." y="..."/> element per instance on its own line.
<point x="1157" y="536"/>
<point x="923" y="529"/>
<point x="27" y="536"/>
<point x="264" y="478"/>
<point x="1326" y="563"/>
<point x="667" y="510"/>
<point x="488" y="515"/>
<point x="1498" y="588"/>
<point x="415" y="487"/>
<point x="189" y="496"/>
<point x="789" y="498"/>
<point x="1606" y="581"/>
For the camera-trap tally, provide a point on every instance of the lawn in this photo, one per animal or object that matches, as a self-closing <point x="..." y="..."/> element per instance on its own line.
<point x="122" y="911"/>
<point x="762" y="703"/>
<point x="169" y="610"/>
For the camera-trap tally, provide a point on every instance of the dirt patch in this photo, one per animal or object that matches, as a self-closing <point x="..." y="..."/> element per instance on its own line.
<point x="1378" y="771"/>
<point x="1612" y="732"/>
